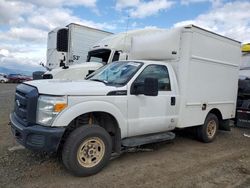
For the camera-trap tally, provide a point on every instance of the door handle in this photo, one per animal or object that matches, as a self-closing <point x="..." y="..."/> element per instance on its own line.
<point x="173" y="101"/>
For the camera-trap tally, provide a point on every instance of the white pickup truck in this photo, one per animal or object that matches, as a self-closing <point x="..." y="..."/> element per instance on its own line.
<point x="134" y="102"/>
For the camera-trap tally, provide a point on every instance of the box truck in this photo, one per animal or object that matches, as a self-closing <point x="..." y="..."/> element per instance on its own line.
<point x="243" y="100"/>
<point x="245" y="62"/>
<point x="69" y="45"/>
<point x="189" y="79"/>
<point x="111" y="48"/>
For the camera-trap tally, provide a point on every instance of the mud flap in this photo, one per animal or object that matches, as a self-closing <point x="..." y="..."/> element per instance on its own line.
<point x="225" y="125"/>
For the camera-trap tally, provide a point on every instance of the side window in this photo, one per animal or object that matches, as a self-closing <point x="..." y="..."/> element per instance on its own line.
<point x="156" y="71"/>
<point x="116" y="56"/>
<point x="95" y="59"/>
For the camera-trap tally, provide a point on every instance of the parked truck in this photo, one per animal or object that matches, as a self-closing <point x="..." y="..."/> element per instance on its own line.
<point x="244" y="76"/>
<point x="243" y="100"/>
<point x="188" y="79"/>
<point x="111" y="48"/>
<point x="245" y="62"/>
<point x="3" y="78"/>
<point x="69" y="45"/>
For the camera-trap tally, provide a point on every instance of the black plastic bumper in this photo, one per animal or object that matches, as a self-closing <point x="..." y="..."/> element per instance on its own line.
<point x="37" y="137"/>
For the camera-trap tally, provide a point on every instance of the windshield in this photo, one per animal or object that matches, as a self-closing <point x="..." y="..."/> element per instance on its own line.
<point x="116" y="73"/>
<point x="101" y="56"/>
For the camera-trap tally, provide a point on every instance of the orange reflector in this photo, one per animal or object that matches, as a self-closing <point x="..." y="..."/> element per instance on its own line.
<point x="59" y="107"/>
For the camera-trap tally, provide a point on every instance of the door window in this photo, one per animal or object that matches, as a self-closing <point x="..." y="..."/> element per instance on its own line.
<point x="116" y="56"/>
<point x="155" y="71"/>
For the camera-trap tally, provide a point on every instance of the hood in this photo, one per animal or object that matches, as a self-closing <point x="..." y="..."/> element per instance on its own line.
<point x="69" y="87"/>
<point x="75" y="72"/>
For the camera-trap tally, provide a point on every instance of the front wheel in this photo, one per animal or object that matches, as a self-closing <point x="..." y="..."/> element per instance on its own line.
<point x="208" y="131"/>
<point x="87" y="150"/>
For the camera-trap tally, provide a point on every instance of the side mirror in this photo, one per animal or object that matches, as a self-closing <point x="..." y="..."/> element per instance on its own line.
<point x="89" y="73"/>
<point x="151" y="86"/>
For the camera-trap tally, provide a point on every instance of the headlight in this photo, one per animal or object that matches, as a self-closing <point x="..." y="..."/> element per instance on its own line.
<point x="48" y="107"/>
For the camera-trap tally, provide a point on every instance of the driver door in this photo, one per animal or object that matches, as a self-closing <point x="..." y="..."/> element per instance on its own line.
<point x="152" y="114"/>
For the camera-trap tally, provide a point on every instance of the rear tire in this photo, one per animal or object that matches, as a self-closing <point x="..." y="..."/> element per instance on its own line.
<point x="87" y="150"/>
<point x="208" y="131"/>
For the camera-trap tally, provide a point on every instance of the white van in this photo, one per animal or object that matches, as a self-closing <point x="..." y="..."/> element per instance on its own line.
<point x="3" y="78"/>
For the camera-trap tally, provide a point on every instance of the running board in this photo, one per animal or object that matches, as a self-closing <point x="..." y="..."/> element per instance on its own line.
<point x="147" y="139"/>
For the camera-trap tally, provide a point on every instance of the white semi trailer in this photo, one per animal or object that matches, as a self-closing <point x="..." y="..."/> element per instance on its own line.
<point x="69" y="45"/>
<point x="189" y="80"/>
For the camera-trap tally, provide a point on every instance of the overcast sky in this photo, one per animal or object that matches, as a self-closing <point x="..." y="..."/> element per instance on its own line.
<point x="24" y="24"/>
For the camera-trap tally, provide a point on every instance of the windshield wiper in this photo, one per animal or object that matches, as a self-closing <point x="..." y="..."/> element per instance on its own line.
<point x="114" y="84"/>
<point x="98" y="80"/>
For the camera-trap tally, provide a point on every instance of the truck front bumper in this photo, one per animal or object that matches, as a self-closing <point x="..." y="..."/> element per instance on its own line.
<point x="37" y="137"/>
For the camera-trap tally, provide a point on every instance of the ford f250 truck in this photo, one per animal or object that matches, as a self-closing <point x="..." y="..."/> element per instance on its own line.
<point x="189" y="80"/>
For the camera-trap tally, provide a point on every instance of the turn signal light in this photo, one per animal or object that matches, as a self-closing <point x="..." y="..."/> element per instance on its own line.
<point x="59" y="107"/>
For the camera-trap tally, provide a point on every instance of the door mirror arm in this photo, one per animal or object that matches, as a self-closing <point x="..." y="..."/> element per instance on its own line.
<point x="137" y="89"/>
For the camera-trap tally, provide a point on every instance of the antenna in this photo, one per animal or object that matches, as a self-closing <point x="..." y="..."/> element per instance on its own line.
<point x="127" y="24"/>
<point x="126" y="32"/>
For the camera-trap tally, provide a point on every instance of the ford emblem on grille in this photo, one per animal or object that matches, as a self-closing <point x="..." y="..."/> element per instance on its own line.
<point x="18" y="103"/>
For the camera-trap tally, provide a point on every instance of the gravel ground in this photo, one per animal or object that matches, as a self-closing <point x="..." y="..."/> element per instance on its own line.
<point x="182" y="163"/>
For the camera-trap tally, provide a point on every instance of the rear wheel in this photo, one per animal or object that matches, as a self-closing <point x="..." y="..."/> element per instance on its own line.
<point x="87" y="150"/>
<point x="208" y="131"/>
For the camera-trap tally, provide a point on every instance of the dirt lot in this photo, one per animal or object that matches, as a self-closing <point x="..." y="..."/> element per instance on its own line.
<point x="183" y="163"/>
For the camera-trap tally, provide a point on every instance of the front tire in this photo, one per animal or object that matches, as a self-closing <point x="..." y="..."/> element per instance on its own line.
<point x="208" y="131"/>
<point x="87" y="150"/>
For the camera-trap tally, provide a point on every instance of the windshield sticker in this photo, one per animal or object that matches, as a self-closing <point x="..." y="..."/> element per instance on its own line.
<point x="134" y="64"/>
